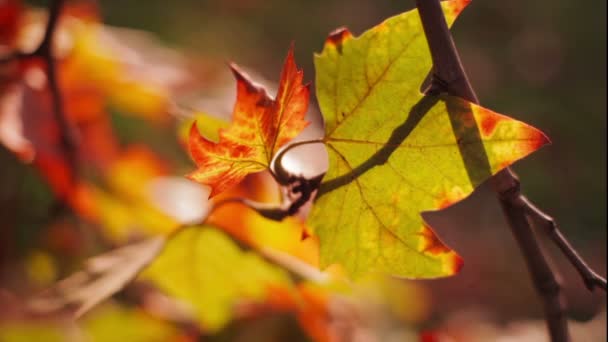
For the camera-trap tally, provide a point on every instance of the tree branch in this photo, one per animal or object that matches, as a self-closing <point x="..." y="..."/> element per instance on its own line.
<point x="449" y="74"/>
<point x="590" y="278"/>
<point x="69" y="136"/>
<point x="69" y="140"/>
<point x="44" y="51"/>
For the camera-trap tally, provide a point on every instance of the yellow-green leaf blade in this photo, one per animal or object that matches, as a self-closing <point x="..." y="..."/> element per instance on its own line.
<point x="394" y="152"/>
<point x="355" y="75"/>
<point x="202" y="267"/>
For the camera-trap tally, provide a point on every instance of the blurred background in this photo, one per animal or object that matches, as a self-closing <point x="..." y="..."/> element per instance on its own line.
<point x="542" y="62"/>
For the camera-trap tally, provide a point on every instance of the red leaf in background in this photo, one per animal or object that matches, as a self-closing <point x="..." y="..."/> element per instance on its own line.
<point x="10" y="11"/>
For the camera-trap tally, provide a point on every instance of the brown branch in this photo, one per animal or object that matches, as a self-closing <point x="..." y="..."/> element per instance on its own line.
<point x="300" y="191"/>
<point x="591" y="279"/>
<point x="448" y="69"/>
<point x="545" y="280"/>
<point x="69" y="140"/>
<point x="44" y="51"/>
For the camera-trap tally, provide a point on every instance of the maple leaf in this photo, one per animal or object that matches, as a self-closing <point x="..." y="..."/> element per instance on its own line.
<point x="247" y="225"/>
<point x="394" y="152"/>
<point x="260" y="126"/>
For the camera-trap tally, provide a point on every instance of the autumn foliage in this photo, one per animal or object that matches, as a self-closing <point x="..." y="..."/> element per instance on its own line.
<point x="180" y="235"/>
<point x="260" y="126"/>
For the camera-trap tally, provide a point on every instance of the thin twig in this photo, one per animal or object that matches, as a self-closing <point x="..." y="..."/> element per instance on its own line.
<point x="591" y="279"/>
<point x="448" y="68"/>
<point x="281" y="175"/>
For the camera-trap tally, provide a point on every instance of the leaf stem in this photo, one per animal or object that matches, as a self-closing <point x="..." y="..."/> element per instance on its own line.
<point x="281" y="175"/>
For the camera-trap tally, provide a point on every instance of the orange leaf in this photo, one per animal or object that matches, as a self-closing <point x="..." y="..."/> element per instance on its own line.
<point x="260" y="126"/>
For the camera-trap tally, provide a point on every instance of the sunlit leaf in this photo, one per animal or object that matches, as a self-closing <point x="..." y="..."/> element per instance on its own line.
<point x="260" y="126"/>
<point x="31" y="331"/>
<point x="394" y="152"/>
<point x="111" y="322"/>
<point x="203" y="268"/>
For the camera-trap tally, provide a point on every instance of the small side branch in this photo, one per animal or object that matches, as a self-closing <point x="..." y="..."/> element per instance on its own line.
<point x="591" y="279"/>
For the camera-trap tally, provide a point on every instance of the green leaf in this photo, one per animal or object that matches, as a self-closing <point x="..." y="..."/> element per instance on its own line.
<point x="110" y="322"/>
<point x="26" y="332"/>
<point x="394" y="152"/>
<point x="203" y="268"/>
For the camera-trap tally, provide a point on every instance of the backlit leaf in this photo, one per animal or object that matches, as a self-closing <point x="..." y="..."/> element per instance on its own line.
<point x="111" y="322"/>
<point x="203" y="268"/>
<point x="260" y="126"/>
<point x="394" y="152"/>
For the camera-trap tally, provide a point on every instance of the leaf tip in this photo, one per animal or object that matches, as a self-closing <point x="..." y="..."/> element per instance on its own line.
<point x="214" y="192"/>
<point x="535" y="140"/>
<point x="193" y="135"/>
<point x="290" y="56"/>
<point x="542" y="139"/>
<point x="194" y="129"/>
<point x="337" y="37"/>
<point x="457" y="6"/>
<point x="431" y="245"/>
<point x="242" y="79"/>
<point x="454" y="263"/>
<point x="236" y="71"/>
<point x="290" y="70"/>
